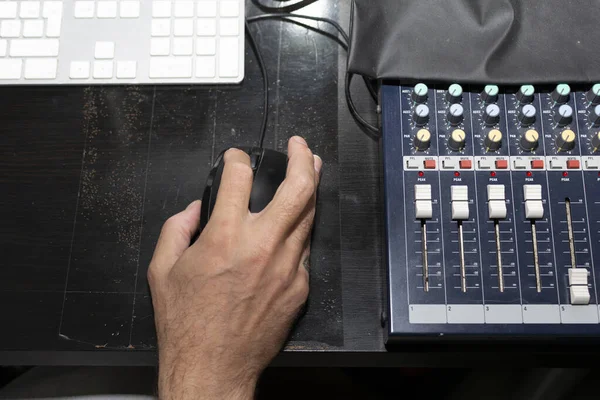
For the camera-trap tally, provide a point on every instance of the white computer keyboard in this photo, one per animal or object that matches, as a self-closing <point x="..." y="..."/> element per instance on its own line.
<point x="121" y="41"/>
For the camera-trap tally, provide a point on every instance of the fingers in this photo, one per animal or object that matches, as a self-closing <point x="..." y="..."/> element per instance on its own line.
<point x="300" y="233"/>
<point x="302" y="230"/>
<point x="299" y="288"/>
<point x="318" y="164"/>
<point x="236" y="185"/>
<point x="305" y="257"/>
<point x="175" y="238"/>
<point x="296" y="191"/>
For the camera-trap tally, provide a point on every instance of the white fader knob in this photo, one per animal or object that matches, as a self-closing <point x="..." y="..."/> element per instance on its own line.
<point x="578" y="282"/>
<point x="496" y="201"/>
<point x="534" y="208"/>
<point x="459" y="196"/>
<point x="423" y="205"/>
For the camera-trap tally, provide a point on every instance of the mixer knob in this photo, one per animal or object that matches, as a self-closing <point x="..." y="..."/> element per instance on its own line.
<point x="561" y="93"/>
<point x="419" y="93"/>
<point x="596" y="142"/>
<point x="490" y="94"/>
<point x="491" y="115"/>
<point x="595" y="116"/>
<point x="421" y="115"/>
<point x="526" y="115"/>
<point x="530" y="140"/>
<point x="493" y="140"/>
<point x="525" y="94"/>
<point x="565" y="140"/>
<point x="422" y="140"/>
<point x="564" y="115"/>
<point x="454" y="94"/>
<point x="455" y="114"/>
<point x="457" y="140"/>
<point x="593" y="95"/>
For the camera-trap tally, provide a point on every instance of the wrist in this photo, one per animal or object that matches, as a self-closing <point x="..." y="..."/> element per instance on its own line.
<point x="191" y="376"/>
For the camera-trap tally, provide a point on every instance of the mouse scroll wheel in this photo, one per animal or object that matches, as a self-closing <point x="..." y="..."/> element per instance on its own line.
<point x="254" y="161"/>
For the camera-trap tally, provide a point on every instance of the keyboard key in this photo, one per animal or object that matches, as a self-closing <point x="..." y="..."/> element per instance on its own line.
<point x="160" y="47"/>
<point x="52" y="9"/>
<point x="10" y="29"/>
<point x="34" y="48"/>
<point x="84" y="9"/>
<point x="180" y="67"/>
<point x="41" y="68"/>
<point x="230" y="8"/>
<point x="183" y="27"/>
<point x="161" y="27"/>
<point x="126" y="69"/>
<point x="79" y="70"/>
<point x="206" y="27"/>
<point x="10" y="68"/>
<point x="207" y="8"/>
<point x="183" y="46"/>
<point x="229" y="27"/>
<point x="161" y="9"/>
<point x="129" y="9"/>
<point x="33" y="29"/>
<point x="103" y="69"/>
<point x="104" y="50"/>
<point x="229" y="58"/>
<point x="206" y="46"/>
<point x="184" y="8"/>
<point x="3" y="47"/>
<point x="29" y="9"/>
<point x="107" y="9"/>
<point x="205" y="67"/>
<point x="8" y="9"/>
<point x="53" y="26"/>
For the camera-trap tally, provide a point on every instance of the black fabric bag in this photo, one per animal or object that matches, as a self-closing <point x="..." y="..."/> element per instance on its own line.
<point x="477" y="41"/>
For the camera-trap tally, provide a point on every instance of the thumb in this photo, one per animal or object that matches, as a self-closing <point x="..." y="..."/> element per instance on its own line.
<point x="175" y="238"/>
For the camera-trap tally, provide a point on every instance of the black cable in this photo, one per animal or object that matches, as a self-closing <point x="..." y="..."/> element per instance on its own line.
<point x="371" y="89"/>
<point x="368" y="128"/>
<point x="285" y="18"/>
<point x="285" y="8"/>
<point x="289" y="18"/>
<point x="309" y="17"/>
<point x="263" y="71"/>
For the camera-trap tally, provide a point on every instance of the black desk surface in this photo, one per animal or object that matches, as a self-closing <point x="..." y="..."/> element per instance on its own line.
<point x="88" y="175"/>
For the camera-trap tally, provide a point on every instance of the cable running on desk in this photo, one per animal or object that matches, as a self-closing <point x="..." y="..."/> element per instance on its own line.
<point x="263" y="71"/>
<point x="287" y="8"/>
<point x="368" y="128"/>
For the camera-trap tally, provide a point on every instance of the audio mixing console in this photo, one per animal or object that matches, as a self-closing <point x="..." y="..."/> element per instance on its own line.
<point x="492" y="200"/>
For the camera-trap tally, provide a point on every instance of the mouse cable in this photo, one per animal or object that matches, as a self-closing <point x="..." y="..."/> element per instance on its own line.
<point x="368" y="128"/>
<point x="284" y="8"/>
<point x="287" y="17"/>
<point x="263" y="71"/>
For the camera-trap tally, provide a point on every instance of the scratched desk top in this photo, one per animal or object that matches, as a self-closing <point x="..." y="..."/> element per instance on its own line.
<point x="88" y="175"/>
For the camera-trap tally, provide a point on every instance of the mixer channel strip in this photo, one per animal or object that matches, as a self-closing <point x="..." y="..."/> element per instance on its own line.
<point x="502" y="187"/>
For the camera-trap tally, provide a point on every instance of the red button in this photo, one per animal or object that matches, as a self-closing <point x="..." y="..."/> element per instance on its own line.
<point x="537" y="164"/>
<point x="429" y="164"/>
<point x="465" y="164"/>
<point x="573" y="164"/>
<point x="502" y="164"/>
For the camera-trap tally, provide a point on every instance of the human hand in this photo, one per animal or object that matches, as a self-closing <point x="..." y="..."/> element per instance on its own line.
<point x="224" y="306"/>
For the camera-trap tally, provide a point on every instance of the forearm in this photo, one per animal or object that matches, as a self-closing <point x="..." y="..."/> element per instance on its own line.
<point x="189" y="377"/>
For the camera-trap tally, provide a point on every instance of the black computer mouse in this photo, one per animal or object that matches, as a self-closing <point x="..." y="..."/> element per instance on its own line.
<point x="269" y="168"/>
